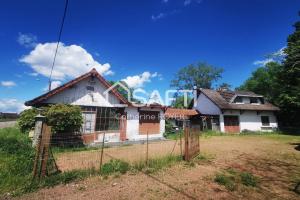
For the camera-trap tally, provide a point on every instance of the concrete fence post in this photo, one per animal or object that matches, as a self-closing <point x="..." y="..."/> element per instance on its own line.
<point x="39" y="120"/>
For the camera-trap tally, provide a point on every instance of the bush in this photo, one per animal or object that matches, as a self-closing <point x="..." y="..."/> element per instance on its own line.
<point x="114" y="166"/>
<point x="26" y="120"/>
<point x="62" y="117"/>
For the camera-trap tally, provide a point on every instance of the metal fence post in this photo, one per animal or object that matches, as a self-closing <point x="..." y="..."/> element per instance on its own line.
<point x="147" y="150"/>
<point x="102" y="149"/>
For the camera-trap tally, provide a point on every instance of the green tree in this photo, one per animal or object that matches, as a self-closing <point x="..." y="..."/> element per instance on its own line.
<point x="264" y="81"/>
<point x="289" y="78"/>
<point x="179" y="102"/>
<point x="280" y="83"/>
<point x="201" y="75"/>
<point x="226" y="86"/>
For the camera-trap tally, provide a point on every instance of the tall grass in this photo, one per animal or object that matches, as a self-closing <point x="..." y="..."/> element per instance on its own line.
<point x="16" y="160"/>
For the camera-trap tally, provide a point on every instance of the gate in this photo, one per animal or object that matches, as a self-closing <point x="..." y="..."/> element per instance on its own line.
<point x="191" y="141"/>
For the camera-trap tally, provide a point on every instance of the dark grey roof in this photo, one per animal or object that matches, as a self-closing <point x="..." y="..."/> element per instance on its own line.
<point x="223" y="100"/>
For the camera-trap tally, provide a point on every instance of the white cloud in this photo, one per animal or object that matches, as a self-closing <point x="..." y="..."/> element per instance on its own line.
<point x="263" y="62"/>
<point x="33" y="74"/>
<point x="27" y="40"/>
<point x="187" y="2"/>
<point x="54" y="84"/>
<point x="138" y="80"/>
<point x="158" y="16"/>
<point x="164" y="14"/>
<point x="8" y="83"/>
<point x="276" y="56"/>
<point x="155" y="74"/>
<point x="279" y="53"/>
<point x="109" y="73"/>
<point x="71" y="61"/>
<point x="12" y="105"/>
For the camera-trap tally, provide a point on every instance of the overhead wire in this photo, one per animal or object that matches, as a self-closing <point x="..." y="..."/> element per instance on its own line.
<point x="58" y="41"/>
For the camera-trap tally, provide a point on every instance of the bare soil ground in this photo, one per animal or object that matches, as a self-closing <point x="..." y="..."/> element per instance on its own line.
<point x="274" y="159"/>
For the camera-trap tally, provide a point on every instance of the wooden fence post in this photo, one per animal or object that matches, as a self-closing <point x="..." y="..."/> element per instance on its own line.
<point x="36" y="141"/>
<point x="46" y="138"/>
<point x="42" y="152"/>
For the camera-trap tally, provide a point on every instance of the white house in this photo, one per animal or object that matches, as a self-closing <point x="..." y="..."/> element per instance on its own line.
<point x="104" y="109"/>
<point x="234" y="111"/>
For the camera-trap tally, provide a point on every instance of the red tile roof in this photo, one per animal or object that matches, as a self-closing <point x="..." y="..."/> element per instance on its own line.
<point x="176" y="113"/>
<point x="92" y="73"/>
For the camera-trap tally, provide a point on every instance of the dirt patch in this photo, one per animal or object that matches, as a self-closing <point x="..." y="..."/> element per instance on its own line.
<point x="275" y="162"/>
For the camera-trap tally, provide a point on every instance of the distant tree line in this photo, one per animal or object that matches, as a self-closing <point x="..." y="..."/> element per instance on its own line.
<point x="278" y="81"/>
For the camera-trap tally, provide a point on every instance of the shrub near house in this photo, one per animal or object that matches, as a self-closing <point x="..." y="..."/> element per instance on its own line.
<point x="62" y="117"/>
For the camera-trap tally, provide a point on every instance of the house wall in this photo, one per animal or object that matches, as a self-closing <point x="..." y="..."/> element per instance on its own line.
<point x="249" y="120"/>
<point x="79" y="95"/>
<point x="132" y="130"/>
<point x="206" y="107"/>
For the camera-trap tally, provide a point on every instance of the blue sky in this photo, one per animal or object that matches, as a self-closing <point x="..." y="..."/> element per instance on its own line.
<point x="143" y="42"/>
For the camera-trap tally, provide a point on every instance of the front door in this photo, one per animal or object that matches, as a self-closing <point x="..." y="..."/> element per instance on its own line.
<point x="232" y="124"/>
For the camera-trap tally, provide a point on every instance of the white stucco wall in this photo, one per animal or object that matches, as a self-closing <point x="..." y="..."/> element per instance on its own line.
<point x="79" y="95"/>
<point x="109" y="137"/>
<point x="250" y="120"/>
<point x="132" y="130"/>
<point x="206" y="107"/>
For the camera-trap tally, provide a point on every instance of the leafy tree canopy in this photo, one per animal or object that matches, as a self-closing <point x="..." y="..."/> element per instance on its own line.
<point x="179" y="102"/>
<point x="226" y="86"/>
<point x="264" y="80"/>
<point x="201" y="75"/>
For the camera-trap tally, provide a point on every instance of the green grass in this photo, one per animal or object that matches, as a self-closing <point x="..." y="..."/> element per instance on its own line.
<point x="73" y="149"/>
<point x="203" y="158"/>
<point x="16" y="160"/>
<point x="17" y="157"/>
<point x="59" y="178"/>
<point x="115" y="166"/>
<point x="226" y="180"/>
<point x="174" y="136"/>
<point x="16" y="165"/>
<point x="248" y="179"/>
<point x="156" y="164"/>
<point x="232" y="179"/>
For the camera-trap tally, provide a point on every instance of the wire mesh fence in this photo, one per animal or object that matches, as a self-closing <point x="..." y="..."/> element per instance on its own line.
<point x="67" y="152"/>
<point x="71" y="157"/>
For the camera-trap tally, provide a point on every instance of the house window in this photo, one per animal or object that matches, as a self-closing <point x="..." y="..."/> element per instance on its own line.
<point x="238" y="100"/>
<point x="253" y="100"/>
<point x="107" y="119"/>
<point x="90" y="88"/>
<point x="265" y="120"/>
